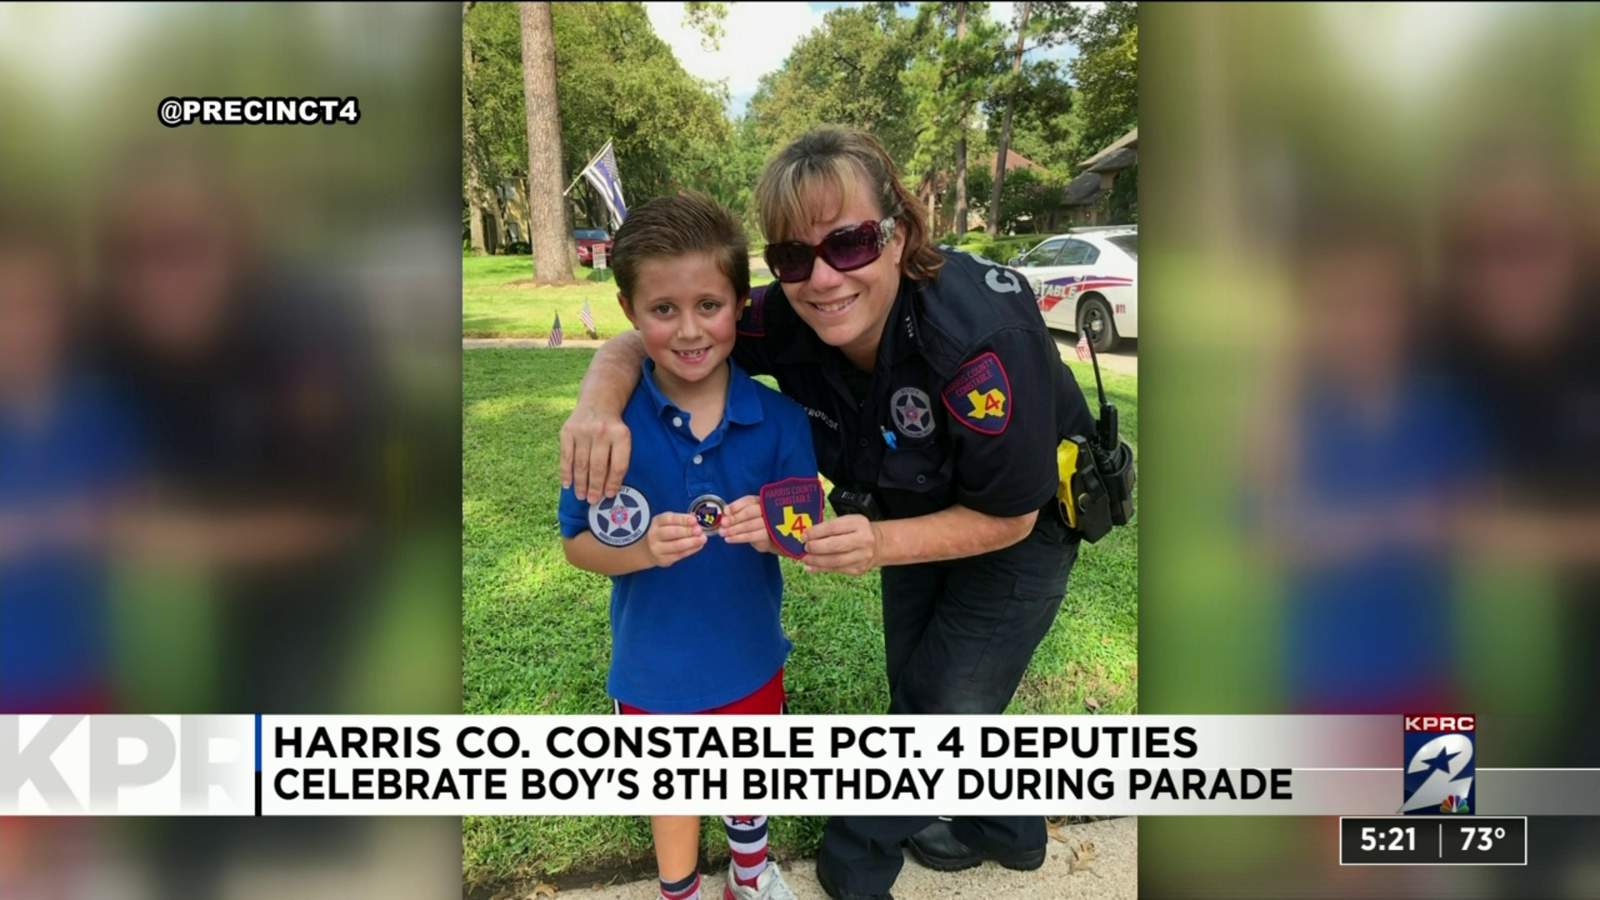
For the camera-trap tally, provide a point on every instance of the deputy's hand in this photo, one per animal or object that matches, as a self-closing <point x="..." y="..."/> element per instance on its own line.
<point x="673" y="536"/>
<point x="848" y="544"/>
<point x="594" y="454"/>
<point x="742" y="524"/>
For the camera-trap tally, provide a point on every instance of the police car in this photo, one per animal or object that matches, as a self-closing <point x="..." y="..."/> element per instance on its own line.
<point x="1085" y="282"/>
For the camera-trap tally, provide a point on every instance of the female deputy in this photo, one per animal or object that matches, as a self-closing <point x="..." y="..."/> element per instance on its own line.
<point x="937" y="399"/>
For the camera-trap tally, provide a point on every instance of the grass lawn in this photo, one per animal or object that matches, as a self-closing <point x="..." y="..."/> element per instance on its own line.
<point x="535" y="632"/>
<point x="499" y="299"/>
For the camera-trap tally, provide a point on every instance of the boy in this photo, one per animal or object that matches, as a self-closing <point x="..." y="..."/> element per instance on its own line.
<point x="694" y="615"/>
<point x="67" y="454"/>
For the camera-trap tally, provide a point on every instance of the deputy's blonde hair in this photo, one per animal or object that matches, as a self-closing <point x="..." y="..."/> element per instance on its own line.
<point x="836" y="165"/>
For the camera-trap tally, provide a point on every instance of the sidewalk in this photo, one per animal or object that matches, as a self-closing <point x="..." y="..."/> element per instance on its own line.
<point x="1092" y="860"/>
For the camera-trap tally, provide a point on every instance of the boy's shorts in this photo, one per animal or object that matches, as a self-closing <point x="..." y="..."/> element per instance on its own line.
<point x="767" y="700"/>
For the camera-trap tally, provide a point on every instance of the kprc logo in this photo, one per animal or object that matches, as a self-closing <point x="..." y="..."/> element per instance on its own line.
<point x="1439" y="771"/>
<point x="126" y="765"/>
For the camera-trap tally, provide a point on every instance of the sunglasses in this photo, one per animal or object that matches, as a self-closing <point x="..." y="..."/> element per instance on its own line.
<point x="845" y="249"/>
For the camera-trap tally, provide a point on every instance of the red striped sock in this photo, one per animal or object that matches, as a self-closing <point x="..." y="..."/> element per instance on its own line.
<point x="747" y="841"/>
<point x="684" y="889"/>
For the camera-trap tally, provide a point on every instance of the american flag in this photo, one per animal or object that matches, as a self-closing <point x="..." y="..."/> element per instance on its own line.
<point x="555" y="333"/>
<point x="586" y="316"/>
<point x="1083" y="346"/>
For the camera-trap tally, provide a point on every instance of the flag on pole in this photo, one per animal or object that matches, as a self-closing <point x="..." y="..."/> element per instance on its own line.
<point x="1083" y="346"/>
<point x="586" y="316"/>
<point x="555" y="333"/>
<point x="602" y="173"/>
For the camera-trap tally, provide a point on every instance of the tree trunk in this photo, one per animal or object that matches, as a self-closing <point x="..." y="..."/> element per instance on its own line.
<point x="1005" y="128"/>
<point x="552" y="258"/>
<point x="469" y="143"/>
<point x="961" y="137"/>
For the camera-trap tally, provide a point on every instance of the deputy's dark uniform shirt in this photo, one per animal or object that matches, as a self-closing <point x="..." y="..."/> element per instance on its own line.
<point x="966" y="405"/>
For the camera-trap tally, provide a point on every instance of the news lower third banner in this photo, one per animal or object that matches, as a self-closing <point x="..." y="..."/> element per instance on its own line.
<point x="241" y="765"/>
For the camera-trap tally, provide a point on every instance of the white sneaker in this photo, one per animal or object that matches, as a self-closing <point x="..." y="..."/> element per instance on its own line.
<point x="770" y="886"/>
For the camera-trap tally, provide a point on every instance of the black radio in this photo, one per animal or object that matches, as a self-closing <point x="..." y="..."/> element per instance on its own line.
<point x="1095" y="492"/>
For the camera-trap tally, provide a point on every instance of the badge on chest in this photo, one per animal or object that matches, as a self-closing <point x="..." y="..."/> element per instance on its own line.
<point x="912" y="412"/>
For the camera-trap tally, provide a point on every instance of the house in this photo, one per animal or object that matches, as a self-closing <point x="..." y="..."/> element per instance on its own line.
<point x="1086" y="197"/>
<point x="506" y="223"/>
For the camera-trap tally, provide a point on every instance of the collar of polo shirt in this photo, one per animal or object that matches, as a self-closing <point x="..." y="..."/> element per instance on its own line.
<point x="742" y="406"/>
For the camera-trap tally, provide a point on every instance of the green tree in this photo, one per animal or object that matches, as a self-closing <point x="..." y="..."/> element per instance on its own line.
<point x="1106" y="73"/>
<point x="1049" y="138"/>
<point x="1028" y="198"/>
<point x="620" y="82"/>
<point x="617" y="81"/>
<point x="1033" y="92"/>
<point x="707" y="18"/>
<point x="494" y="130"/>
<point x="962" y="52"/>
<point x="955" y="73"/>
<point x="846" y="72"/>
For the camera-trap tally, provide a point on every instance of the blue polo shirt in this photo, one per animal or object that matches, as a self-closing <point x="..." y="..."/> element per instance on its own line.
<point x="704" y="631"/>
<point x="1379" y="626"/>
<point x="54" y="641"/>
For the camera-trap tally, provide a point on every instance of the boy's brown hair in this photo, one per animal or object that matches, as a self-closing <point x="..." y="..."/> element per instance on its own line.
<point x="689" y="222"/>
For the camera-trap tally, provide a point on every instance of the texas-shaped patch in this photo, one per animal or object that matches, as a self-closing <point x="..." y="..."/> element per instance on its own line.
<point x="790" y="508"/>
<point x="753" y="318"/>
<point x="979" y="397"/>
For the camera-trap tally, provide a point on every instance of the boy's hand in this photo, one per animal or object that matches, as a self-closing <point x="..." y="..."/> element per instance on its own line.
<point x="742" y="524"/>
<point x="672" y="537"/>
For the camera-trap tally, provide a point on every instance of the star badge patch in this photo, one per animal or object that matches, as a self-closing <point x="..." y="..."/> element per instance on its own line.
<point x="912" y="412"/>
<point x="620" y="520"/>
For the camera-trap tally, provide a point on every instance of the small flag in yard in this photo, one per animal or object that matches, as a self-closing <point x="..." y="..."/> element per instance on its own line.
<point x="586" y="316"/>
<point x="555" y="333"/>
<point x="1083" y="346"/>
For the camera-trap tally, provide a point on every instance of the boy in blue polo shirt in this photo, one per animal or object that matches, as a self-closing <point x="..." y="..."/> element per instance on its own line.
<point x="694" y="617"/>
<point x="68" y="454"/>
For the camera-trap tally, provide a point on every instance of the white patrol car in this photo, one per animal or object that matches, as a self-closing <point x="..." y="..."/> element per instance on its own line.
<point x="1085" y="282"/>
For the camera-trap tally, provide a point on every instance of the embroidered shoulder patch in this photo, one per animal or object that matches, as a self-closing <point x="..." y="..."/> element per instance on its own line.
<point x="753" y="318"/>
<point x="979" y="397"/>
